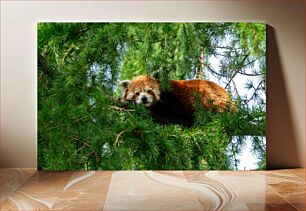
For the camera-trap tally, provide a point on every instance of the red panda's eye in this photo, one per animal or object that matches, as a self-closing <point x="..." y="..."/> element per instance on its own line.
<point x="137" y="93"/>
<point x="149" y="91"/>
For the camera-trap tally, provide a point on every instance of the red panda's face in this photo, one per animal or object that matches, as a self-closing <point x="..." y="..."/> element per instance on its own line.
<point x="142" y="90"/>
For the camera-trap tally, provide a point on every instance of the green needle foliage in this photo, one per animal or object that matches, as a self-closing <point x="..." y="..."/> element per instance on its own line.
<point x="82" y="125"/>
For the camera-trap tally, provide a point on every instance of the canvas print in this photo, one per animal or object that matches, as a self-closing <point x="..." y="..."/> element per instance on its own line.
<point x="151" y="96"/>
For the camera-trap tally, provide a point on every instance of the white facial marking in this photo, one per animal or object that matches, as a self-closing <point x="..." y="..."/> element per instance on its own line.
<point x="148" y="89"/>
<point x="129" y="96"/>
<point x="145" y="99"/>
<point x="157" y="94"/>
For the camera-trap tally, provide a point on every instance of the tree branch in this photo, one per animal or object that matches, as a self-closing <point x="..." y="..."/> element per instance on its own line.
<point x="250" y="74"/>
<point x="236" y="72"/>
<point x="214" y="72"/>
<point x="235" y="88"/>
<point x="255" y="90"/>
<point x="121" y="109"/>
<point x="118" y="136"/>
<point x="90" y="153"/>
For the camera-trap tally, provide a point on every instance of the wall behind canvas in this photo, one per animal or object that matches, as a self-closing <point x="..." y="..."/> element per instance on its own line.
<point x="285" y="63"/>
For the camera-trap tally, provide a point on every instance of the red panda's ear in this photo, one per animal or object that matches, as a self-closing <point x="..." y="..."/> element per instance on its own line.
<point x="125" y="83"/>
<point x="155" y="75"/>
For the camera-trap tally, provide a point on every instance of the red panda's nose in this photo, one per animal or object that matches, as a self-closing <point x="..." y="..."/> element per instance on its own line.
<point x="144" y="99"/>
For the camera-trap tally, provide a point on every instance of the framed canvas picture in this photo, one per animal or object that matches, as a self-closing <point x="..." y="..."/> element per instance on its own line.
<point x="152" y="96"/>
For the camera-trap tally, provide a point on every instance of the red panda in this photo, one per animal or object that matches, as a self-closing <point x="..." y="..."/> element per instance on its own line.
<point x="177" y="104"/>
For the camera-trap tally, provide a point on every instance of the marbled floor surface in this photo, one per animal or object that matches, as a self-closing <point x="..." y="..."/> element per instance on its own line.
<point x="28" y="189"/>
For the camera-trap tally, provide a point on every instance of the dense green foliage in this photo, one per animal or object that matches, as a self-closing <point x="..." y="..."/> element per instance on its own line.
<point x="81" y="125"/>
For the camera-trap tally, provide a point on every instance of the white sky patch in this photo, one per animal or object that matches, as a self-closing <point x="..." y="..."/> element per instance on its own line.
<point x="248" y="161"/>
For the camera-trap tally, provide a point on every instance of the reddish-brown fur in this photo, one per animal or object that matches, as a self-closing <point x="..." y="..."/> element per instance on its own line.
<point x="139" y="83"/>
<point x="210" y="93"/>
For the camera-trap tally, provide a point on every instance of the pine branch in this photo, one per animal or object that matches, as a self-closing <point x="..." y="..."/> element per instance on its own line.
<point x="62" y="125"/>
<point x="97" y="158"/>
<point x="121" y="109"/>
<point x="214" y="72"/>
<point x="255" y="90"/>
<point x="118" y="136"/>
<point x="84" y="145"/>
<point x="81" y="118"/>
<point x="89" y="154"/>
<point x="226" y="47"/>
<point x="236" y="72"/>
<point x="235" y="88"/>
<point x="250" y="74"/>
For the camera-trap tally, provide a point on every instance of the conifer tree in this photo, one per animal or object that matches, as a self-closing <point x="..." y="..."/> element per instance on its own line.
<point x="81" y="125"/>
